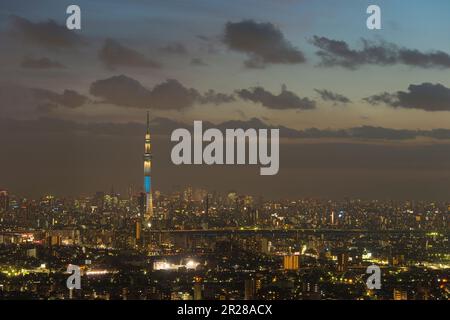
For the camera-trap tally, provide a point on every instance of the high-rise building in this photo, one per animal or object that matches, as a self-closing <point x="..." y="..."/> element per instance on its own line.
<point x="4" y="201"/>
<point x="342" y="260"/>
<point x="198" y="288"/>
<point x="206" y="205"/>
<point x="400" y="294"/>
<point x="249" y="289"/>
<point x="141" y="203"/>
<point x="291" y="262"/>
<point x="138" y="231"/>
<point x="264" y="245"/>
<point x="147" y="174"/>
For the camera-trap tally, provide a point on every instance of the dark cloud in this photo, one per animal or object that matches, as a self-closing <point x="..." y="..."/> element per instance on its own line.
<point x="169" y="95"/>
<point x="113" y="54"/>
<point x="48" y="34"/>
<point x="20" y="101"/>
<point x="122" y="91"/>
<point x="165" y="126"/>
<point x="366" y="133"/>
<point x="216" y="98"/>
<point x="355" y="133"/>
<point x="339" y="53"/>
<point x="379" y="133"/>
<point x="283" y="101"/>
<point x="333" y="52"/>
<point x="255" y="63"/>
<point x="330" y="96"/>
<point x="198" y="62"/>
<point x="437" y="59"/>
<point x="425" y="96"/>
<point x="389" y="99"/>
<point x="69" y="98"/>
<point x="263" y="42"/>
<point x="203" y="37"/>
<point x="40" y="63"/>
<point x="174" y="48"/>
<point x="358" y="133"/>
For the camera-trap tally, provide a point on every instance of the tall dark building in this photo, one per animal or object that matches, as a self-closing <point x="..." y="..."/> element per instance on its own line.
<point x="342" y="259"/>
<point x="4" y="201"/>
<point x="141" y="203"/>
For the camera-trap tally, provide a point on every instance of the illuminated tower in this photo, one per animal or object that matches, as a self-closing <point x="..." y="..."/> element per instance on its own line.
<point x="147" y="172"/>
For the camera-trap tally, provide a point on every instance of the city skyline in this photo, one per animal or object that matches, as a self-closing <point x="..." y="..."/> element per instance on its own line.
<point x="222" y="247"/>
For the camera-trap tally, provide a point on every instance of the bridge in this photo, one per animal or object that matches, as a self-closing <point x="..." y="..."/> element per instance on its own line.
<point x="279" y="231"/>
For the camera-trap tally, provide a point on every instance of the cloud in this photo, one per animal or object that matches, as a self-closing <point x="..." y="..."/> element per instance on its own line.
<point x="165" y="126"/>
<point x="425" y="96"/>
<point x="40" y="63"/>
<point x="436" y="59"/>
<point x="174" y="48"/>
<point x="22" y="102"/>
<point x="367" y="133"/>
<point x="198" y="62"/>
<point x="389" y="99"/>
<point x="210" y="45"/>
<point x="169" y="95"/>
<point x="113" y="54"/>
<point x="48" y="125"/>
<point x="48" y="34"/>
<point x="69" y="98"/>
<point x="216" y="98"/>
<point x="283" y="101"/>
<point x="379" y="133"/>
<point x="264" y="43"/>
<point x="330" y="96"/>
<point x="122" y="91"/>
<point x="339" y="53"/>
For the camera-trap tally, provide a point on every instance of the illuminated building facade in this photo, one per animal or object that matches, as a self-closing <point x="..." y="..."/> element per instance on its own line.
<point x="147" y="174"/>
<point x="342" y="260"/>
<point x="400" y="294"/>
<point x="291" y="262"/>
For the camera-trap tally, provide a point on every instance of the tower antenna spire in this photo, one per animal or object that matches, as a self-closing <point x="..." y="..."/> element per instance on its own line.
<point x="147" y="174"/>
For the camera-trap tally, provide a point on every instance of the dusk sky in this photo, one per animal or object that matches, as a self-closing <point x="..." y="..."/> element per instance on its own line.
<point x="363" y="113"/>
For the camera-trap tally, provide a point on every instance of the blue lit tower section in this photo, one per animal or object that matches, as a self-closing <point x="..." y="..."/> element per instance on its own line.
<point x="147" y="174"/>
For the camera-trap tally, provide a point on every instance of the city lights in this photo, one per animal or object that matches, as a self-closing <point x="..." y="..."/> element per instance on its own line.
<point x="235" y="152"/>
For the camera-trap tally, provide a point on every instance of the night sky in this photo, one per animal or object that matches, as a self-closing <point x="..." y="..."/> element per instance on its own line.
<point x="362" y="113"/>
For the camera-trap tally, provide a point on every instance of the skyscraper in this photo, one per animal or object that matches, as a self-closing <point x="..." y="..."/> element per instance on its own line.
<point x="4" y="201"/>
<point x="342" y="259"/>
<point x="198" y="288"/>
<point x="147" y="172"/>
<point x="291" y="262"/>
<point x="250" y="289"/>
